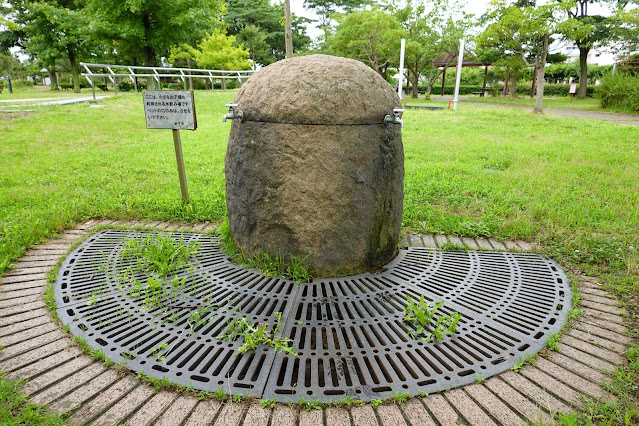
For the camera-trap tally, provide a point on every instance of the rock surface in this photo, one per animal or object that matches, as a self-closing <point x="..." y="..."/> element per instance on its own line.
<point x="334" y="191"/>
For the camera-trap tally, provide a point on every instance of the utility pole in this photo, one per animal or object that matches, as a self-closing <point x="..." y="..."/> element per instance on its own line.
<point x="460" y="61"/>
<point x="288" y="32"/>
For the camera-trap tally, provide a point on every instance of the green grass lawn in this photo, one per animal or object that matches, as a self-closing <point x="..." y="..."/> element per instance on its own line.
<point x="571" y="185"/>
<point x="20" y="93"/>
<point x="592" y="104"/>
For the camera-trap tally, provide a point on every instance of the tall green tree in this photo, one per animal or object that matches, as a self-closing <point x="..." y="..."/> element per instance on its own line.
<point x="145" y="30"/>
<point x="260" y="26"/>
<point x="371" y="36"/>
<point x="587" y="31"/>
<point x="325" y="9"/>
<point x="218" y="51"/>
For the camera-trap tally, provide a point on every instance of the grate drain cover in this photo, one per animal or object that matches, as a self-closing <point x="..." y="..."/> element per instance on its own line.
<point x="348" y="332"/>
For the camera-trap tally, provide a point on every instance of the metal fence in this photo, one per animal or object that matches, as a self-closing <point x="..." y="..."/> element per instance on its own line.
<point x="115" y="72"/>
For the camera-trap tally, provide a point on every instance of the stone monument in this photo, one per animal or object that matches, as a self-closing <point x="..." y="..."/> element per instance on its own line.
<point x="315" y="165"/>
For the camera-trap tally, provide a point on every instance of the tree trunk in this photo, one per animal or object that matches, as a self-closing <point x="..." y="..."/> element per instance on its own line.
<point x="288" y="33"/>
<point x="53" y="77"/>
<point x="512" y="90"/>
<point x="506" y="78"/>
<point x="541" y="69"/>
<point x="444" y="82"/>
<point x="415" y="83"/>
<point x="583" y="72"/>
<point x="534" y="81"/>
<point x="75" y="71"/>
<point x="149" y="61"/>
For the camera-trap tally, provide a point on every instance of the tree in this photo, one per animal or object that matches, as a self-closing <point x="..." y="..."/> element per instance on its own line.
<point x="372" y="36"/>
<point x="586" y="31"/>
<point x="146" y="30"/>
<point x="431" y="33"/>
<point x="521" y="32"/>
<point x="218" y="51"/>
<point x="325" y="9"/>
<point x="260" y="26"/>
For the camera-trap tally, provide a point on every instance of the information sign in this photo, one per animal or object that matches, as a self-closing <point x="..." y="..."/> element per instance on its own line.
<point x="573" y="88"/>
<point x="169" y="109"/>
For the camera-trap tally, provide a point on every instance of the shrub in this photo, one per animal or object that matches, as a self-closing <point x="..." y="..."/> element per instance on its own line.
<point x="620" y="91"/>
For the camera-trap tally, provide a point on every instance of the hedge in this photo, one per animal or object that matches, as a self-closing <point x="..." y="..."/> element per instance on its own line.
<point x="522" y="89"/>
<point x="620" y="91"/>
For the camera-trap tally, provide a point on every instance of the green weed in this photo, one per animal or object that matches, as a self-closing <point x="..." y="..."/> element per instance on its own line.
<point x="15" y="408"/>
<point x="552" y="342"/>
<point x="377" y="402"/>
<point x="268" y="403"/>
<point x="422" y="313"/>
<point x="220" y="394"/>
<point x="256" y="335"/>
<point x="399" y="397"/>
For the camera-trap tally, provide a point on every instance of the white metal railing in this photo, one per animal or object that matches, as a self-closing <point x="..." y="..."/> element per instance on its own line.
<point x="114" y="72"/>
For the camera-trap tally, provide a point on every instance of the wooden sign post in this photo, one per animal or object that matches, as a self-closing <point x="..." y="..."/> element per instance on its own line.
<point x="175" y="110"/>
<point x="572" y="91"/>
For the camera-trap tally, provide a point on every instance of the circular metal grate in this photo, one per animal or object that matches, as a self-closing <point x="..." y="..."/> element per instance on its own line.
<point x="349" y="332"/>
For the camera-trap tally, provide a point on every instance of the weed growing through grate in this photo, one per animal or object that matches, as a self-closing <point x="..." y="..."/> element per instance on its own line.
<point x="220" y="394"/>
<point x="270" y="266"/>
<point x="479" y="378"/>
<point x="377" y="402"/>
<point x="448" y="246"/>
<point x="528" y="359"/>
<point x="256" y="335"/>
<point x="310" y="405"/>
<point x="399" y="397"/>
<point x="552" y="342"/>
<point x="268" y="403"/>
<point x="160" y="254"/>
<point x="422" y="313"/>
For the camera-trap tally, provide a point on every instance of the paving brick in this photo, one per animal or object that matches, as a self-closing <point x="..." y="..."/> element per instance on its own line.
<point x="19" y="327"/>
<point x="551" y="385"/>
<point x="26" y="346"/>
<point x="26" y="334"/>
<point x="73" y="400"/>
<point x="203" y="413"/>
<point x="405" y="243"/>
<point x="602" y="332"/>
<point x="599" y="315"/>
<point x="484" y="243"/>
<point x="287" y="416"/>
<point x="11" y="279"/>
<point x="127" y="405"/>
<point x="500" y="411"/>
<point x="68" y="384"/>
<point x="595" y="292"/>
<point x="525" y="246"/>
<point x="24" y="263"/>
<point x="441" y="410"/>
<point x="472" y="244"/>
<point x="49" y="259"/>
<point x="416" y="413"/>
<point x="596" y="340"/>
<point x="19" y="308"/>
<point x="336" y="417"/>
<point x="310" y="418"/>
<point x="604" y="325"/>
<point x="429" y="241"/>
<point x="179" y="411"/>
<point x="362" y="416"/>
<point x="604" y="354"/>
<point x="14" y="319"/>
<point x="497" y="244"/>
<point x="57" y="374"/>
<point x="35" y="355"/>
<point x="231" y="414"/>
<point x="151" y="409"/>
<point x="602" y="307"/>
<point x="580" y="384"/>
<point x="511" y="245"/>
<point x="455" y="240"/>
<point x="22" y="286"/>
<point x="29" y="298"/>
<point x="102" y="402"/>
<point x="27" y="270"/>
<point x="589" y="360"/>
<point x="517" y="401"/>
<point x="589" y="373"/>
<point x="467" y="407"/>
<point x="42" y="365"/>
<point x="390" y="415"/>
<point x="440" y="240"/>
<point x="535" y="393"/>
<point x="258" y="416"/>
<point x="599" y="299"/>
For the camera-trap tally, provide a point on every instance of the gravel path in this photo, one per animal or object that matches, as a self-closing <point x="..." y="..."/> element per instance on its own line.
<point x="58" y="375"/>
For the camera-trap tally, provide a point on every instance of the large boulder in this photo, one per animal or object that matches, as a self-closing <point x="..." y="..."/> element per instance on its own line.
<point x="312" y="169"/>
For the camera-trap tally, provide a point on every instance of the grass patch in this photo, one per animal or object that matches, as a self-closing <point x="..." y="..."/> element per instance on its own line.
<point x="275" y="266"/>
<point x="15" y="408"/>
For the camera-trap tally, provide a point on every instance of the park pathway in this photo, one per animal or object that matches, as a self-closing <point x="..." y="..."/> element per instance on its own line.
<point x="59" y="376"/>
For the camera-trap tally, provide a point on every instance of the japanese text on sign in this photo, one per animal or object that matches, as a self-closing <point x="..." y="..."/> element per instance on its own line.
<point x="173" y="109"/>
